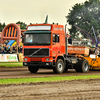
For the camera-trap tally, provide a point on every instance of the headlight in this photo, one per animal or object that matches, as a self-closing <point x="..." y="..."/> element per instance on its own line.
<point x="25" y="59"/>
<point x="47" y="59"/>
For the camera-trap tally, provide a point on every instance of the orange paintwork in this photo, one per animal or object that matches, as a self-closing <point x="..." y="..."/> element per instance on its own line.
<point x="6" y="32"/>
<point x="57" y="49"/>
<point x="82" y="50"/>
<point x="15" y="33"/>
<point x="12" y="31"/>
<point x="9" y="31"/>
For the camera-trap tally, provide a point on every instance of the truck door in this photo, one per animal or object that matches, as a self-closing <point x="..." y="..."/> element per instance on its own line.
<point x="56" y="44"/>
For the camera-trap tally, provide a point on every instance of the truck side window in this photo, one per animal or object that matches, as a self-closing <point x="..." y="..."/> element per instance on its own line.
<point x="55" y="38"/>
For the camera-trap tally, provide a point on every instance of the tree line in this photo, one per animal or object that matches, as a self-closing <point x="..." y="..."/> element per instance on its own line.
<point x="23" y="25"/>
<point x="2" y="26"/>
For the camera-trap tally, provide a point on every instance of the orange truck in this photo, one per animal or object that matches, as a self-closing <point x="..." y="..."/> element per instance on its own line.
<point x="45" y="46"/>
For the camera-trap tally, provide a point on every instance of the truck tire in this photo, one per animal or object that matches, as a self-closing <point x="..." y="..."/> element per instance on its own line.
<point x="76" y="67"/>
<point x="33" y="69"/>
<point x="82" y="66"/>
<point x="59" y="68"/>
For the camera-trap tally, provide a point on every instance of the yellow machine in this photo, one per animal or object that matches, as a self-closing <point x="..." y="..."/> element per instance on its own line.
<point x="94" y="61"/>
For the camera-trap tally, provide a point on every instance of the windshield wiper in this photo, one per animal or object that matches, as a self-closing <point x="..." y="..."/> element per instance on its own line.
<point x="35" y="51"/>
<point x="36" y="43"/>
<point x="28" y="43"/>
<point x="45" y="43"/>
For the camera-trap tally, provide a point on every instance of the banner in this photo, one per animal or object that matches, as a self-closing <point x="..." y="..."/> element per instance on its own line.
<point x="8" y="58"/>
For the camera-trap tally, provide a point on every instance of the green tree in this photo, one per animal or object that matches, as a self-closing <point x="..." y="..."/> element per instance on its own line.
<point x="22" y="25"/>
<point x="85" y="15"/>
<point x="2" y="26"/>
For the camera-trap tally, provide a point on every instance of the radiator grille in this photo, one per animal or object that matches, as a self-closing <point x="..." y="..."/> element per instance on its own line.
<point x="36" y="59"/>
<point x="36" y="52"/>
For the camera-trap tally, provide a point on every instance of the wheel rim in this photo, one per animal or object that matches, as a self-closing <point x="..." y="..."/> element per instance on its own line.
<point x="86" y="66"/>
<point x="60" y="67"/>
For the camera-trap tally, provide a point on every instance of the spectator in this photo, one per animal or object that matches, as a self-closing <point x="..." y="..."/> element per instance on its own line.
<point x="0" y="48"/>
<point x="11" y="49"/>
<point x="19" y="49"/>
<point x="14" y="49"/>
<point x="3" y="48"/>
<point x="7" y="49"/>
<point x="91" y="51"/>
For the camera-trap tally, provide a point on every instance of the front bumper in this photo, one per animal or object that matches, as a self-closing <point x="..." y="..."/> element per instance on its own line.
<point x="39" y="64"/>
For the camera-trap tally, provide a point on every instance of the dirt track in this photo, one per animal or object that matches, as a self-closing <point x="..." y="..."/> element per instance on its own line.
<point x="65" y="90"/>
<point x="23" y="72"/>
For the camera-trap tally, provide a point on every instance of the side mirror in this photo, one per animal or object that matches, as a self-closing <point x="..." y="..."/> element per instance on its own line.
<point x="54" y="43"/>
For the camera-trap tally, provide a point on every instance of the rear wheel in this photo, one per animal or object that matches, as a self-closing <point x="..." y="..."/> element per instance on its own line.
<point x="82" y="66"/>
<point x="33" y="69"/>
<point x="59" y="68"/>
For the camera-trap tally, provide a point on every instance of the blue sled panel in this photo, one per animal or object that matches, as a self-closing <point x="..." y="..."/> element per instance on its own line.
<point x="11" y="42"/>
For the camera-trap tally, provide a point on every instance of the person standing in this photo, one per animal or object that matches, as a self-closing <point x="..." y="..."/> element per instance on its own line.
<point x="7" y="49"/>
<point x="0" y="48"/>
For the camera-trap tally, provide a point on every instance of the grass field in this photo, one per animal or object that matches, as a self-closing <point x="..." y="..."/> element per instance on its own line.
<point x="11" y="64"/>
<point x="46" y="79"/>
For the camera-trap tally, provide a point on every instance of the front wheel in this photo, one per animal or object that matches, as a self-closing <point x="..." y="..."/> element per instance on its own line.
<point x="59" y="68"/>
<point x="33" y="69"/>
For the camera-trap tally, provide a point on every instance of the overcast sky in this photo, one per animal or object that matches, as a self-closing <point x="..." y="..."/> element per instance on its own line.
<point x="35" y="11"/>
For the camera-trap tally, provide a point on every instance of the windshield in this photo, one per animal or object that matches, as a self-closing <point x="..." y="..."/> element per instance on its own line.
<point x="37" y="39"/>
